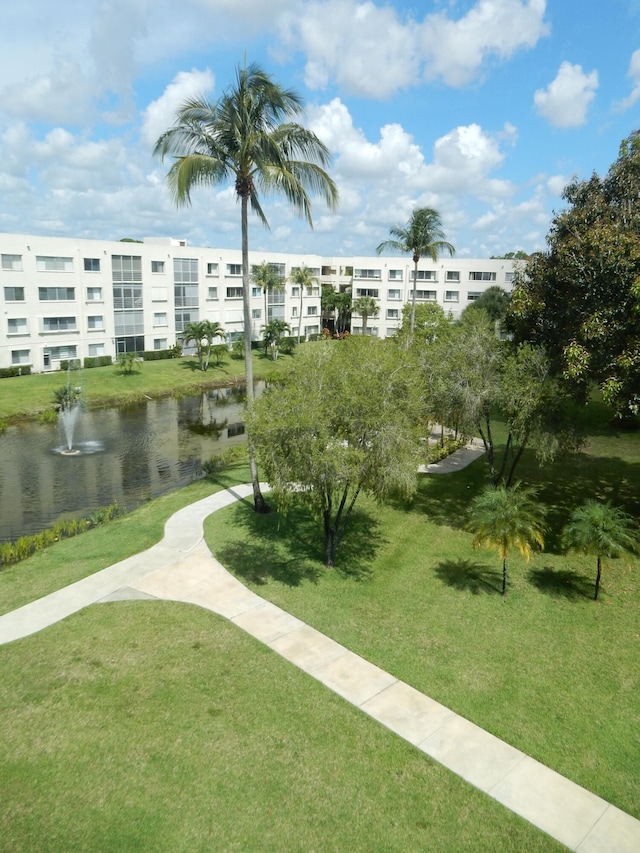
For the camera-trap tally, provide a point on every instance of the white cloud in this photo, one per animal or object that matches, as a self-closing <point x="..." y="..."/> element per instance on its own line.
<point x="556" y="184"/>
<point x="565" y="101"/>
<point x="370" y="51"/>
<point x="161" y="113"/>
<point x="634" y="74"/>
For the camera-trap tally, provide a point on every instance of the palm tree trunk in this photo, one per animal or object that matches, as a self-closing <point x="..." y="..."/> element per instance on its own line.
<point x="259" y="503"/>
<point x="300" y="319"/>
<point x="598" y="575"/>
<point x="504" y="576"/>
<point x="413" y="295"/>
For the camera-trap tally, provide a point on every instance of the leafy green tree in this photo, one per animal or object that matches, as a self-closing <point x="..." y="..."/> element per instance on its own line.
<point x="603" y="530"/>
<point x="430" y="323"/>
<point x="494" y="300"/>
<point x="365" y="306"/>
<point x="273" y="333"/>
<point x="267" y="278"/>
<point x="304" y="278"/>
<point x="422" y="236"/>
<point x="581" y="298"/>
<point x="343" y="423"/>
<point x="505" y="518"/>
<point x="127" y="361"/>
<point x="202" y="333"/>
<point x="251" y="137"/>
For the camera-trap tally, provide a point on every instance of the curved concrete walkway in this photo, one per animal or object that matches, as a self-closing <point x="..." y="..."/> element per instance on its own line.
<point x="181" y="568"/>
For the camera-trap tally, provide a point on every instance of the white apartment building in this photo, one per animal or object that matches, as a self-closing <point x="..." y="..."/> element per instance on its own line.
<point x="64" y="298"/>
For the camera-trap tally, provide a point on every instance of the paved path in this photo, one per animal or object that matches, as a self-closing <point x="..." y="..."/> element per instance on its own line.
<point x="181" y="568"/>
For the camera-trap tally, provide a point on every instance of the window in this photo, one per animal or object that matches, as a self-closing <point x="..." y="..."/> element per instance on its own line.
<point x="312" y="310"/>
<point x="46" y="263"/>
<point x="234" y="293"/>
<point x="424" y="275"/>
<point x="159" y="343"/>
<point x="294" y="311"/>
<point x="256" y="313"/>
<point x="127" y="297"/>
<point x="212" y="269"/>
<point x="451" y="295"/>
<point x="509" y="276"/>
<point x="295" y="291"/>
<point x="256" y="291"/>
<point x="157" y="266"/>
<point x="392" y="293"/>
<point x="56" y="294"/>
<point x="212" y="293"/>
<point x="472" y="295"/>
<point x="235" y="429"/>
<point x="58" y="324"/>
<point x="185" y="270"/>
<point x="14" y="294"/>
<point x="311" y="330"/>
<point x="17" y="326"/>
<point x="126" y="268"/>
<point x="314" y="290"/>
<point x="20" y="356"/>
<point x="96" y="350"/>
<point x="367" y="291"/>
<point x="367" y="274"/>
<point x="234" y="269"/>
<point x="92" y="264"/>
<point x="95" y="322"/>
<point x="328" y="270"/>
<point x="395" y="275"/>
<point x="12" y="262"/>
<point x="425" y="295"/>
<point x="480" y="276"/>
<point x="94" y="294"/>
<point x="393" y="313"/>
<point x="160" y="318"/>
<point x="453" y="275"/>
<point x="278" y="269"/>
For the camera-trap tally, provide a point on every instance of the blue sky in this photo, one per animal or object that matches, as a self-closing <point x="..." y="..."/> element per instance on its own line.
<point x="483" y="109"/>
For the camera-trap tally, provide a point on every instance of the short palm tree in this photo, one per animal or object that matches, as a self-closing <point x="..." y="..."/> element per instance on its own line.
<point x="505" y="518"/>
<point x="304" y="278"/>
<point x="601" y="529"/>
<point x="202" y="333"/>
<point x="267" y="278"/>
<point x="249" y="136"/>
<point x="273" y="333"/>
<point x="365" y="306"/>
<point x="422" y="236"/>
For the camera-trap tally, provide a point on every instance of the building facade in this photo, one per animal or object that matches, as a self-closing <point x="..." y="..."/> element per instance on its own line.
<point x="65" y="298"/>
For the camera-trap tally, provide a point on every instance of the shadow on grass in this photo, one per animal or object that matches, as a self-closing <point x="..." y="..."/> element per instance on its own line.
<point x="470" y="575"/>
<point x="561" y="582"/>
<point x="290" y="548"/>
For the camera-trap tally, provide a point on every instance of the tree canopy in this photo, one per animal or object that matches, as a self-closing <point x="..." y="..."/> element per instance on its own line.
<point x="342" y="423"/>
<point x="581" y="298"/>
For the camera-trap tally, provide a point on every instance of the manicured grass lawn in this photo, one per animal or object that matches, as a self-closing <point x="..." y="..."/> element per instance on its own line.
<point x="548" y="670"/>
<point x="154" y="726"/>
<point x="26" y="396"/>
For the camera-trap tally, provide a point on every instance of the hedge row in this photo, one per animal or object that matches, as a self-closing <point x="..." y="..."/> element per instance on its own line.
<point x="18" y="370"/>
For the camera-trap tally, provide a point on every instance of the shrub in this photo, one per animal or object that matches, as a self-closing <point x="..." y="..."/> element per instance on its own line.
<point x="98" y="361"/>
<point x="237" y="350"/>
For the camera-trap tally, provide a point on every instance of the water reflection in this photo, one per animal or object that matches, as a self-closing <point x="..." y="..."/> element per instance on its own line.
<point x="128" y="455"/>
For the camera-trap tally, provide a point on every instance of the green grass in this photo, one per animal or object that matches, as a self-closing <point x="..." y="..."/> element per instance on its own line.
<point x="27" y="396"/>
<point x="73" y="559"/>
<point x="548" y="670"/>
<point x="160" y="727"/>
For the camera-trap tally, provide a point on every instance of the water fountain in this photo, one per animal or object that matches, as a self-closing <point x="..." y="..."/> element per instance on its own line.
<point x="69" y="408"/>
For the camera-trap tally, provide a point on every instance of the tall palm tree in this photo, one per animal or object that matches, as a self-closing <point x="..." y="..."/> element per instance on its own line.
<point x="202" y="333"/>
<point x="505" y="518"/>
<point x="422" y="236"/>
<point x="365" y="306"/>
<point x="304" y="278"/>
<point x="601" y="529"/>
<point x="249" y="136"/>
<point x="266" y="277"/>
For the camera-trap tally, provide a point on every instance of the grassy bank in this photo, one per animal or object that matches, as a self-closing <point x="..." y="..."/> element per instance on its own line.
<point x="27" y="396"/>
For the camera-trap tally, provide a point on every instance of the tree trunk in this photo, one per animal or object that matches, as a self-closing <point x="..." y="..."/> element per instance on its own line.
<point x="598" y="575"/>
<point x="504" y="576"/>
<point x="329" y="539"/>
<point x="259" y="503"/>
<point x="413" y="294"/>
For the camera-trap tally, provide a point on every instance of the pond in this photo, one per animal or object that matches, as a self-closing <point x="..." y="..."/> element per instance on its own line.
<point x="128" y="455"/>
